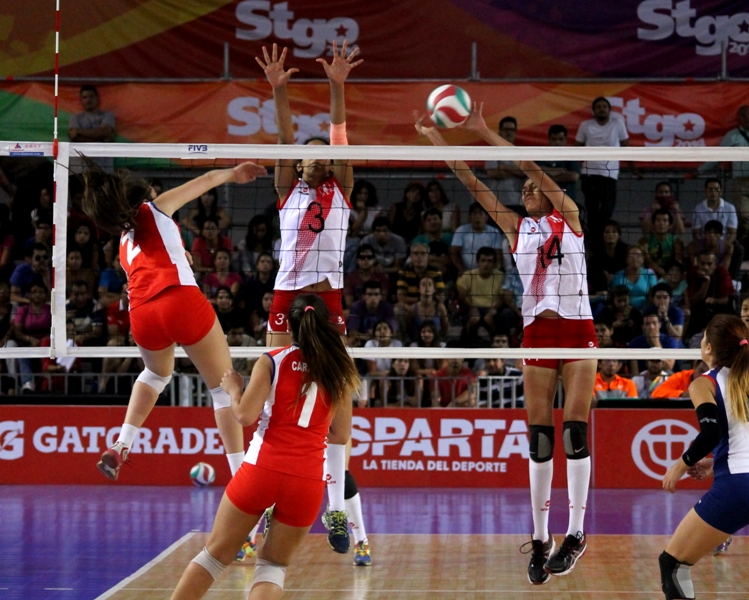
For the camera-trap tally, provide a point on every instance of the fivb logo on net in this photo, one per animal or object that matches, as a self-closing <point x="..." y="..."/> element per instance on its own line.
<point x="710" y="32"/>
<point x="659" y="444"/>
<point x="11" y="442"/>
<point x="685" y="129"/>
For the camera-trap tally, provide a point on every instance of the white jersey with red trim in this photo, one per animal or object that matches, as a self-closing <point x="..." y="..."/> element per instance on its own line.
<point x="314" y="223"/>
<point x="153" y="256"/>
<point x="292" y="430"/>
<point x="550" y="258"/>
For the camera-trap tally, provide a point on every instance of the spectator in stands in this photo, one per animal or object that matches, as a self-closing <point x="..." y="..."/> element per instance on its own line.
<point x="7" y="340"/>
<point x="449" y="210"/>
<point x="671" y="317"/>
<point x="379" y="367"/>
<point x="652" y="338"/>
<point x="32" y="323"/>
<point x="367" y="269"/>
<point x="259" y="239"/>
<point x="87" y="316"/>
<point x="409" y="278"/>
<point x="205" y="246"/>
<point x="6" y="243"/>
<point x="93" y="124"/>
<point x="111" y="282"/>
<point x="711" y="238"/>
<point x="675" y="277"/>
<point x="565" y="172"/>
<point x="124" y="369"/>
<point x="405" y="216"/>
<point x="598" y="179"/>
<point x="438" y="240"/>
<point x="677" y="385"/>
<point x="709" y="291"/>
<point x="456" y="384"/>
<point x="74" y="271"/>
<point x="504" y="387"/>
<point x="389" y="248"/>
<point x="259" y="318"/>
<point x="236" y="337"/>
<point x="226" y="310"/>
<point x="206" y="207"/>
<point x="42" y="234"/>
<point x="402" y="386"/>
<point x="83" y="239"/>
<point x="35" y="269"/>
<point x="715" y="208"/>
<point x="367" y="312"/>
<point x="609" y="384"/>
<point x="650" y="378"/>
<point x="256" y="286"/>
<point x="475" y="234"/>
<point x="43" y="206"/>
<point x="429" y="308"/>
<point x="744" y="311"/>
<point x="118" y="319"/>
<point x="221" y="276"/>
<point x="664" y="200"/>
<point x="429" y="337"/>
<point x="366" y="208"/>
<point x="507" y="178"/>
<point x="610" y="256"/>
<point x="635" y="277"/>
<point x="604" y="331"/>
<point x="624" y="318"/>
<point x="660" y="246"/>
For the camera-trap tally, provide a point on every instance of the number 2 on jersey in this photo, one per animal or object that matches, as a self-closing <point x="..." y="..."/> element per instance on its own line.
<point x="131" y="249"/>
<point x="309" y="405"/>
<point x="548" y="252"/>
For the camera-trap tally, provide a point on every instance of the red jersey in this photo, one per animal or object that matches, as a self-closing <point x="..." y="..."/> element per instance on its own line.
<point x="291" y="434"/>
<point x="153" y="256"/>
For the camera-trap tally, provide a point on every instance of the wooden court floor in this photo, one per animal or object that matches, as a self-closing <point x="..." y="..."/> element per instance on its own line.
<point x="460" y="566"/>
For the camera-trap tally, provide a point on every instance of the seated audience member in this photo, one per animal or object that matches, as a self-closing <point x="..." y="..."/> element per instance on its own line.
<point x="661" y="247"/>
<point x="42" y="210"/>
<point x="262" y="281"/>
<point x="31" y="324"/>
<point x="118" y="319"/>
<point x="259" y="319"/>
<point x="438" y="240"/>
<point x="42" y="234"/>
<point x="504" y="387"/>
<point x="206" y="207"/>
<point x="221" y="276"/>
<point x="475" y="234"/>
<point x="604" y="331"/>
<point x="480" y="292"/>
<point x="84" y="239"/>
<point x="429" y="308"/>
<point x="650" y="378"/>
<point x="111" y="281"/>
<point x="715" y="208"/>
<point x="205" y="246"/>
<point x="609" y="384"/>
<point x="425" y="368"/>
<point x="711" y="239"/>
<point x="677" y="385"/>
<point x="744" y="310"/>
<point x="118" y="374"/>
<point x="55" y="368"/>
<point x="613" y="256"/>
<point x="226" y="310"/>
<point x="676" y="279"/>
<point x="379" y="367"/>
<point x="389" y="248"/>
<point x="637" y="279"/>
<point x="402" y="386"/>
<point x="407" y="291"/>
<point x="366" y="208"/>
<point x="566" y="173"/>
<point x="74" y="271"/>
<point x="456" y="384"/>
<point x="664" y="200"/>
<point x="236" y="337"/>
<point x="671" y="317"/>
<point x="349" y="251"/>
<point x="368" y="311"/>
<point x="259" y="239"/>
<point x="405" y="216"/>
<point x="35" y="269"/>
<point x="448" y="210"/>
<point x="366" y="270"/>
<point x="709" y="292"/>
<point x="652" y="338"/>
<point x="624" y="318"/>
<point x="7" y="312"/>
<point x="87" y="315"/>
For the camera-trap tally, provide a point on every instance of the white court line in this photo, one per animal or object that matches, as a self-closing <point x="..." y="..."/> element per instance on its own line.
<point x="412" y="591"/>
<point x="110" y="592"/>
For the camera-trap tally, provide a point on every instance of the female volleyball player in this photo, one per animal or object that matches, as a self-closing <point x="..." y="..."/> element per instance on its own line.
<point x="302" y="393"/>
<point x="162" y="289"/>
<point x="314" y="210"/>
<point x="550" y="255"/>
<point x="720" y="400"/>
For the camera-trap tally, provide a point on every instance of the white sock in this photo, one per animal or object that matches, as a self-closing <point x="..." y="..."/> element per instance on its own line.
<point x="578" y="481"/>
<point x="127" y="435"/>
<point x="541" y="475"/>
<point x="335" y="469"/>
<point x="355" y="519"/>
<point x="235" y="461"/>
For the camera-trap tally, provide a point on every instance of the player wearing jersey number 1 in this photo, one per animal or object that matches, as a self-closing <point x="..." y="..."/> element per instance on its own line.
<point x="162" y="291"/>
<point x="550" y="255"/>
<point x="301" y="394"/>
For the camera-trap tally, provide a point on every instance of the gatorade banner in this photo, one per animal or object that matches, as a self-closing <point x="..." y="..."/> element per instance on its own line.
<point x="409" y="39"/>
<point x="696" y="114"/>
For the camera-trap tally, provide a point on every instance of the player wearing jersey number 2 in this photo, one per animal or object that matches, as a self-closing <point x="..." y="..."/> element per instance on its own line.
<point x="550" y="255"/>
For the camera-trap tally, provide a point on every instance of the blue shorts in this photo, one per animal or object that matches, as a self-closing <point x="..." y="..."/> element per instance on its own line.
<point x="726" y="504"/>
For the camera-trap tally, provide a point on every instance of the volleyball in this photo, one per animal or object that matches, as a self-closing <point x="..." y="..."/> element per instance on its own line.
<point x="449" y="106"/>
<point x="202" y="474"/>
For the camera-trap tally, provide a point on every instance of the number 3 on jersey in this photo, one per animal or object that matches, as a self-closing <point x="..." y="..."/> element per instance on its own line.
<point x="131" y="250"/>
<point x="550" y="251"/>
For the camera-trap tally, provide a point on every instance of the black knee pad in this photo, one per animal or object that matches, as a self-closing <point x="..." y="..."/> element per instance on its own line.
<point x="575" y="437"/>
<point x="542" y="443"/>
<point x="676" y="579"/>
<point x="349" y="486"/>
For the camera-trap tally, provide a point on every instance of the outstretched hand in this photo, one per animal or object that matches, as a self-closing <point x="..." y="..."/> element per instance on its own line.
<point x="430" y="131"/>
<point x="273" y="67"/>
<point x="341" y="65"/>
<point x="475" y="120"/>
<point x="248" y="171"/>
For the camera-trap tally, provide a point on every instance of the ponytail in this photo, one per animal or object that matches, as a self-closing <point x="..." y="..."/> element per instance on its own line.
<point x="727" y="334"/>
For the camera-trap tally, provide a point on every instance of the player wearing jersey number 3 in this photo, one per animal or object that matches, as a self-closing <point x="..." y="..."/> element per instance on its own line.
<point x="162" y="291"/>
<point x="302" y="393"/>
<point x="550" y="255"/>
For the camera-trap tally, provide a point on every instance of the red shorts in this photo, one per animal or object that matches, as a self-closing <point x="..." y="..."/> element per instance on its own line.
<point x="558" y="333"/>
<point x="282" y="299"/>
<point x="297" y="500"/>
<point x="177" y="314"/>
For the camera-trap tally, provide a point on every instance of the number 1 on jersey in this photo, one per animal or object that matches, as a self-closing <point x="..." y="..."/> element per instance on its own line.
<point x="309" y="405"/>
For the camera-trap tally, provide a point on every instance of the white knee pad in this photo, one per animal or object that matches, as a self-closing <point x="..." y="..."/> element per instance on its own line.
<point x="269" y="572"/>
<point x="210" y="564"/>
<point x="155" y="381"/>
<point x="221" y="398"/>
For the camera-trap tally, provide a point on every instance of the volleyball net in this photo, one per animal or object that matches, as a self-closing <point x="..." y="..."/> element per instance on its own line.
<point x="433" y="212"/>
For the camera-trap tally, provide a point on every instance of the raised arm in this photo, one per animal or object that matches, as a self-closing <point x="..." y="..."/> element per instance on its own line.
<point x="273" y="67"/>
<point x="506" y="219"/>
<point x="337" y="72"/>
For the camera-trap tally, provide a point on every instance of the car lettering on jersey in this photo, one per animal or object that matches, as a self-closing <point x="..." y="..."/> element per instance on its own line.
<point x="298" y="366"/>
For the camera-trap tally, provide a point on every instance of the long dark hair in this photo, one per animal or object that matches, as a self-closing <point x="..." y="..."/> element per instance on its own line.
<point x="727" y="335"/>
<point x="204" y="216"/>
<point x="250" y="240"/>
<point x="363" y="184"/>
<point x="321" y="345"/>
<point x="112" y="200"/>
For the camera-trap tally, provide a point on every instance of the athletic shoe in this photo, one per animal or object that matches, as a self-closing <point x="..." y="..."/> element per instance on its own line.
<point x="723" y="548"/>
<point x="564" y="560"/>
<point x="246" y="551"/>
<point x="267" y="515"/>
<point x="336" y="522"/>
<point x="112" y="460"/>
<point x="540" y="553"/>
<point x="361" y="555"/>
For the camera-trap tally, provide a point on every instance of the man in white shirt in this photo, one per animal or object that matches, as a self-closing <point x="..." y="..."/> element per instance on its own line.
<point x="475" y="234"/>
<point x="598" y="177"/>
<point x="715" y="208"/>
